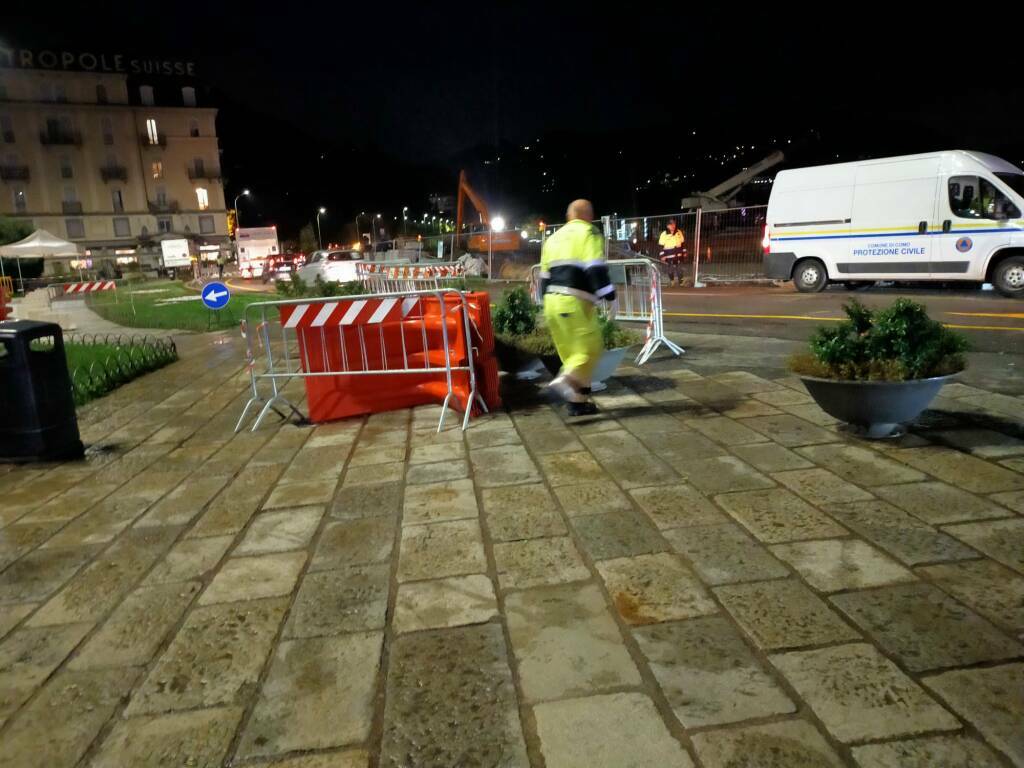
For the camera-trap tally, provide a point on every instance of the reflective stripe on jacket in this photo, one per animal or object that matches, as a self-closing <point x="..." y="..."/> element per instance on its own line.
<point x="572" y="262"/>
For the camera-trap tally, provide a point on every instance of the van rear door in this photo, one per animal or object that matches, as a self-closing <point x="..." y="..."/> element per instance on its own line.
<point x="977" y="219"/>
<point x="893" y="211"/>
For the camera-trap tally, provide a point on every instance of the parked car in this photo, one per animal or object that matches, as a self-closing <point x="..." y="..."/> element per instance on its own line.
<point x="283" y="266"/>
<point x="330" y="266"/>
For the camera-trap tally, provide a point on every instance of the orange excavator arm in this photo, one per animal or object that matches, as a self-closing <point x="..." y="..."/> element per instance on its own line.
<point x="467" y="191"/>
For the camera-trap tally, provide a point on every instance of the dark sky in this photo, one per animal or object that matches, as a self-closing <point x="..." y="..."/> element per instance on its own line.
<point x="375" y="106"/>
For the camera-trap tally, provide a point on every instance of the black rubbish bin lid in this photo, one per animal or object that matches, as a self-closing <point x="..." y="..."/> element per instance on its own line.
<point x="10" y="329"/>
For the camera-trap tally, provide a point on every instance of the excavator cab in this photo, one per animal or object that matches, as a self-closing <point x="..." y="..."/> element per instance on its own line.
<point x="483" y="241"/>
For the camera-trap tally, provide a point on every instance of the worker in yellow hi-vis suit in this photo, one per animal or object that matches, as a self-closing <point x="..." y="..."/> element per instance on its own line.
<point x="574" y="277"/>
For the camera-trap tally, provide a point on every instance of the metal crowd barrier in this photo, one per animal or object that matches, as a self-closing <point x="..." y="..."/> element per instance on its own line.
<point x="382" y="278"/>
<point x="356" y="318"/>
<point x="637" y="299"/>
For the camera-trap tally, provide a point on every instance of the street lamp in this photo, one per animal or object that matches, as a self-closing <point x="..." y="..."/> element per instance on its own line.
<point x="405" y="219"/>
<point x="319" y="239"/>
<point x="358" y="236"/>
<point x="376" y="227"/>
<point x="238" y="219"/>
<point x="497" y="225"/>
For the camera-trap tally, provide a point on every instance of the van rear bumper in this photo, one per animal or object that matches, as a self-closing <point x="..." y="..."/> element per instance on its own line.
<point x="779" y="266"/>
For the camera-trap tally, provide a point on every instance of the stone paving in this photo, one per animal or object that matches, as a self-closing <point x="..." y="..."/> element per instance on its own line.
<point x="711" y="573"/>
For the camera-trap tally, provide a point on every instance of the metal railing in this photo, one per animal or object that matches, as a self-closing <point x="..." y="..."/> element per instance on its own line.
<point x="389" y="278"/>
<point x="60" y="138"/>
<point x="329" y="335"/>
<point x="637" y="299"/>
<point x="114" y="172"/>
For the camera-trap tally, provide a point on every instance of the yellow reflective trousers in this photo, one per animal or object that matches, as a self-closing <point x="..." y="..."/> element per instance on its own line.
<point x="577" y="336"/>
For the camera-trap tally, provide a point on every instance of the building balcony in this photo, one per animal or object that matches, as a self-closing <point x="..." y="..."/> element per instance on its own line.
<point x="168" y="206"/>
<point x="114" y="173"/>
<point x="71" y="206"/>
<point x="212" y="174"/>
<point x="60" y="138"/>
<point x="147" y="141"/>
<point x="14" y="172"/>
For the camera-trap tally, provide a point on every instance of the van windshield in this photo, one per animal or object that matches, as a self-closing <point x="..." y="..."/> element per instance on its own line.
<point x="1014" y="181"/>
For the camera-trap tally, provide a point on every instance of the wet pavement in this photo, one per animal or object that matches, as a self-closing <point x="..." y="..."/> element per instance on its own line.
<point x="710" y="573"/>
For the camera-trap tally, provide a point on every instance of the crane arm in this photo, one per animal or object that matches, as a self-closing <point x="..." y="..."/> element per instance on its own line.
<point x="465" y="190"/>
<point x="732" y="184"/>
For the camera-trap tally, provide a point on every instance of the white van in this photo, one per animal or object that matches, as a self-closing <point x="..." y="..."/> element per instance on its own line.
<point x="945" y="216"/>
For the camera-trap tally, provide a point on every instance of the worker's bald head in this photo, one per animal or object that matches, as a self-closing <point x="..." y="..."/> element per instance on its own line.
<point x="579" y="209"/>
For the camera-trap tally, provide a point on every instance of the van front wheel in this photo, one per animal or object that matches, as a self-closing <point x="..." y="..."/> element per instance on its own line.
<point x="1008" y="278"/>
<point x="810" y="276"/>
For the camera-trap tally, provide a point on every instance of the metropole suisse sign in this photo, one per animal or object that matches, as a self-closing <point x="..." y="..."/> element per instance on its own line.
<point x="69" y="61"/>
<point x="215" y="295"/>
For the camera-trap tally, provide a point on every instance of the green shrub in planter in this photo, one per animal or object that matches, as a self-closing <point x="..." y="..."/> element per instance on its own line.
<point x="899" y="343"/>
<point x="516" y="315"/>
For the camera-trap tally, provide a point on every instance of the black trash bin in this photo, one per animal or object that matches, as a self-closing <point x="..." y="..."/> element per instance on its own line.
<point x="37" y="415"/>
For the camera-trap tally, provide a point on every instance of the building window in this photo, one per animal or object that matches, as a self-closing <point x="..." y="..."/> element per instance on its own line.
<point x="122" y="227"/>
<point x="206" y="225"/>
<point x="76" y="228"/>
<point x="161" y="196"/>
<point x="199" y="166"/>
<point x="108" y="131"/>
<point x="3" y="90"/>
<point x="193" y="128"/>
<point x="151" y="132"/>
<point x="7" y="129"/>
<point x="146" y="95"/>
<point x="66" y="170"/>
<point x="70" y="196"/>
<point x="203" y="198"/>
<point x="158" y="169"/>
<point x="117" y="199"/>
<point x="188" y="96"/>
<point x="101" y="94"/>
<point x="60" y="93"/>
<point x="20" y="201"/>
<point x="163" y="224"/>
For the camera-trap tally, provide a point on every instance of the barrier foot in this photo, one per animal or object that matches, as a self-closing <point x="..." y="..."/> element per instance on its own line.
<point x="271" y="405"/>
<point x="245" y="411"/>
<point x="444" y="412"/>
<point x="652" y="346"/>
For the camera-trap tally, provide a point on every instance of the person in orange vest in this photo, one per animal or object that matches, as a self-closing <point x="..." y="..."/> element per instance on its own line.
<point x="672" y="250"/>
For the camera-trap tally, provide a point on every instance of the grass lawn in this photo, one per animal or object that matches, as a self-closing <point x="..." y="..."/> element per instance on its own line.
<point x="168" y="304"/>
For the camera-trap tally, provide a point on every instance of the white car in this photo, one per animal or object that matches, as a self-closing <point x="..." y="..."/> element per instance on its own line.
<point x="330" y="266"/>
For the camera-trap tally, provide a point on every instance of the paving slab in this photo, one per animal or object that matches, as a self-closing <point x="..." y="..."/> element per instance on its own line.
<point x="984" y="443"/>
<point x="1002" y="540"/>
<point x="137" y="627"/>
<point x="904" y="537"/>
<point x="790" y="431"/>
<point x="553" y="441"/>
<point x="39" y="574"/>
<point x="215" y="658"/>
<point x="996" y="592"/>
<point x="628" y="461"/>
<point x="302" y="494"/>
<point x="777" y="515"/>
<point x="783" y="613"/>
<point x="58" y="725"/>
<point x="770" y="457"/>
<point x="436" y="502"/>
<point x="677" y="506"/>
<point x="507" y="465"/>
<point x="184" y="503"/>
<point x="612" y="535"/>
<point x="1013" y="500"/>
<point x="821" y="487"/>
<point x="349" y="599"/>
<point x="522" y="512"/>
<point x="433" y="473"/>
<point x="787" y="744"/>
<point x="586" y="733"/>
<point x="989" y="699"/>
<point x="12" y="615"/>
<point x="831" y="565"/>
<point x="433" y="452"/>
<point x="189" y="560"/>
<point x="945" y="751"/>
<point x="722" y="474"/>
<point x="925" y="629"/>
<point x="535" y="562"/>
<point x="571" y="468"/>
<point x="199" y="739"/>
<point x="724" y="554"/>
<point x="726" y="431"/>
<point x="592" y="499"/>
<point x="316" y="463"/>
<point x="452" y="548"/>
<point x="253" y="578"/>
<point x="860" y="465"/>
<point x="566" y="642"/>
<point x="858" y="694"/>
<point x="963" y="471"/>
<point x="708" y="674"/>
<point x="102" y="523"/>
<point x="280" y="531"/>
<point x="318" y="694"/>
<point x="28" y="657"/>
<point x="687" y="446"/>
<point x="439" y="603"/>
<point x="652" y="588"/>
<point x="237" y="503"/>
<point x="451" y="701"/>
<point x="355" y="542"/>
<point x="371" y="500"/>
<point x="936" y="502"/>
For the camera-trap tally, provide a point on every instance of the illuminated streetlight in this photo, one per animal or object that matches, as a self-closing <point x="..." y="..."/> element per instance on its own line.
<point x="498" y="224"/>
<point x="319" y="239"/>
<point x="238" y="220"/>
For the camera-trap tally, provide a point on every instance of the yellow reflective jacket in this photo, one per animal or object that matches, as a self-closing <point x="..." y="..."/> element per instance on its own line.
<point x="572" y="262"/>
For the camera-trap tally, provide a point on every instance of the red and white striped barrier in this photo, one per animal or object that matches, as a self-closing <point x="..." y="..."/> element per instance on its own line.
<point x="90" y="287"/>
<point x="357" y="312"/>
<point x="410" y="272"/>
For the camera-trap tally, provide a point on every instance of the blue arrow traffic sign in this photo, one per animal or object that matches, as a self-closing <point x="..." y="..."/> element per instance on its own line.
<point x="215" y="295"/>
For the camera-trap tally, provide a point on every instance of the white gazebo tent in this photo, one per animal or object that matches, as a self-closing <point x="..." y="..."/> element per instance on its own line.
<point x="40" y="244"/>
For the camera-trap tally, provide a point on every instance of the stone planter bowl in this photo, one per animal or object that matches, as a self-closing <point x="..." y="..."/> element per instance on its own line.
<point x="610" y="360"/>
<point x="877" y="407"/>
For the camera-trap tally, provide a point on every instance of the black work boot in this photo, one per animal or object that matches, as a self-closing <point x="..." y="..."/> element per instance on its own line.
<point x="586" y="408"/>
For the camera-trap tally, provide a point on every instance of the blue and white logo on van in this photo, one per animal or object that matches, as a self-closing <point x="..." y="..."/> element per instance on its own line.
<point x="964" y="244"/>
